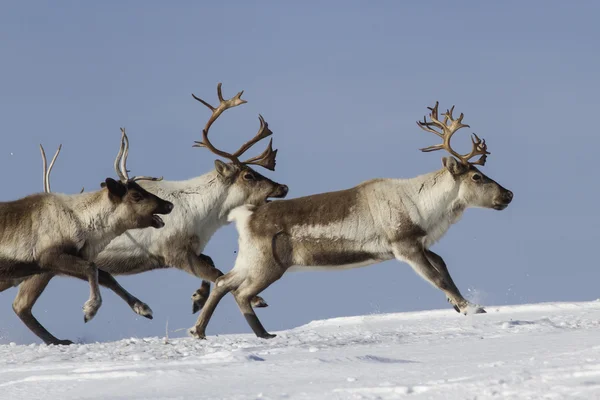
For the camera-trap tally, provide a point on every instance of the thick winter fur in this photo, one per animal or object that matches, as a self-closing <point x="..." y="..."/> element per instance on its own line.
<point x="201" y="207"/>
<point x="378" y="220"/>
<point x="46" y="234"/>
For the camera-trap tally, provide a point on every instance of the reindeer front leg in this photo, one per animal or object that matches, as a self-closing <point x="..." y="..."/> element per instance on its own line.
<point x="203" y="267"/>
<point x="433" y="269"/>
<point x="139" y="307"/>
<point x="441" y="267"/>
<point x="58" y="261"/>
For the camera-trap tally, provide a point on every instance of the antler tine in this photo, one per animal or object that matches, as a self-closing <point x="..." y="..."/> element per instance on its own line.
<point x="124" y="169"/>
<point x="145" y="178"/>
<point x="479" y="148"/>
<point x="124" y="155"/>
<point x="427" y="126"/>
<point x="267" y="159"/>
<point x="118" y="163"/>
<point x="44" y="170"/>
<point x="48" y="168"/>
<point x="52" y="166"/>
<point x="263" y="132"/>
<point x="216" y="112"/>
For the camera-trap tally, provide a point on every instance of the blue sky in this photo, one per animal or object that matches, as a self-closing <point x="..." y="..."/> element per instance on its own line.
<point x="341" y="84"/>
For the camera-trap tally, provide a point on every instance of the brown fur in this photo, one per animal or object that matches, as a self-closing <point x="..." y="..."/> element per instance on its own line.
<point x="46" y="234"/>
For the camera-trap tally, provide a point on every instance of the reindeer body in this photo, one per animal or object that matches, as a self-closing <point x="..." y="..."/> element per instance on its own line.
<point x="378" y="220"/>
<point x="83" y="224"/>
<point x="49" y="234"/>
<point x="355" y="227"/>
<point x="201" y="208"/>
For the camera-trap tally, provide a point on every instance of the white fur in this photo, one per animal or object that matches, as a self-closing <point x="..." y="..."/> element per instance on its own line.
<point x="201" y="206"/>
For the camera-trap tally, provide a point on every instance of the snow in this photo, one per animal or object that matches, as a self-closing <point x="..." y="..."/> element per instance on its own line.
<point x="549" y="350"/>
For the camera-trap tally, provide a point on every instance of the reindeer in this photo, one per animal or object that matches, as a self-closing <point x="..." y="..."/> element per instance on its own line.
<point x="47" y="234"/>
<point x="378" y="220"/>
<point x="202" y="205"/>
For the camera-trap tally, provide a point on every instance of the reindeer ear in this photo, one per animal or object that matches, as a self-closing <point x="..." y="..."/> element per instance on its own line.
<point x="224" y="169"/>
<point x="116" y="188"/>
<point x="454" y="166"/>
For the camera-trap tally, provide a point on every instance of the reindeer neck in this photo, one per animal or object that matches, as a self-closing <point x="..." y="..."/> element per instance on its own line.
<point x="205" y="196"/>
<point x="435" y="196"/>
<point x="98" y="214"/>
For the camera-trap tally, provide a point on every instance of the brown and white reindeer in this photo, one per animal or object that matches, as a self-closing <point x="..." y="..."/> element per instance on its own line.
<point x="378" y="220"/>
<point x="48" y="233"/>
<point x="104" y="278"/>
<point x="202" y="205"/>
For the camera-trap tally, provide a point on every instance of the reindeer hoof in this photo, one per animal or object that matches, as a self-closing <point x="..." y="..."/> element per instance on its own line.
<point x="62" y="343"/>
<point x="199" y="298"/>
<point x="198" y="335"/>
<point x="197" y="305"/>
<point x="259" y="302"/>
<point x="473" y="309"/>
<point x="90" y="308"/>
<point x="143" y="309"/>
<point x="456" y="308"/>
<point x="267" y="335"/>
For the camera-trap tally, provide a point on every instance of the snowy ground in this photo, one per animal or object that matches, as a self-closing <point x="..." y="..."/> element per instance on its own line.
<point x="526" y="352"/>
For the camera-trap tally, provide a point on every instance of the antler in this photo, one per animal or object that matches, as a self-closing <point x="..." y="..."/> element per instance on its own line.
<point x="266" y="159"/>
<point x="48" y="169"/>
<point x="449" y="127"/>
<point x="121" y="162"/>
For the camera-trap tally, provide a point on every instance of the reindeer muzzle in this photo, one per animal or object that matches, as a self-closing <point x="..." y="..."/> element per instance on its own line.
<point x="280" y="192"/>
<point x="504" y="200"/>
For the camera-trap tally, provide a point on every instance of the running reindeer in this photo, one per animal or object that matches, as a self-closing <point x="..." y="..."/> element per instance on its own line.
<point x="202" y="205"/>
<point x="47" y="234"/>
<point x="378" y="220"/>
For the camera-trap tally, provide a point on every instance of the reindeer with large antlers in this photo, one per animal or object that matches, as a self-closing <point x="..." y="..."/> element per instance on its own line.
<point x="202" y="205"/>
<point x="49" y="234"/>
<point x="378" y="220"/>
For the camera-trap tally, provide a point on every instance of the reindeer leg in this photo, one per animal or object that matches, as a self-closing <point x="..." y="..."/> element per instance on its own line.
<point x="203" y="267"/>
<point x="223" y="285"/>
<point x="29" y="291"/>
<point x="107" y="280"/>
<point x="58" y="260"/>
<point x="243" y="295"/>
<point x="416" y="257"/>
<point x="440" y="265"/>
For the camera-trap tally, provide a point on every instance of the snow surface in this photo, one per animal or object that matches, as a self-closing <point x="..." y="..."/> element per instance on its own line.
<point x="514" y="352"/>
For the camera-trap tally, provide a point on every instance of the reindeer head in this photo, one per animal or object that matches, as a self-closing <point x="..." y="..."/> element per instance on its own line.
<point x="138" y="207"/>
<point x="246" y="186"/>
<point x="475" y="189"/>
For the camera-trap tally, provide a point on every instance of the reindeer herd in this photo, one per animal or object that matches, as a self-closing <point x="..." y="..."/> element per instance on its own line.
<point x="138" y="224"/>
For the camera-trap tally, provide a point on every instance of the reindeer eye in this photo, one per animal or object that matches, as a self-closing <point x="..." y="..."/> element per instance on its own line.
<point x="476" y="177"/>
<point x="249" y="177"/>
<point x="136" y="197"/>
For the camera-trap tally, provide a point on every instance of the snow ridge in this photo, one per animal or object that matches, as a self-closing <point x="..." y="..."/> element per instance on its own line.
<point x="547" y="350"/>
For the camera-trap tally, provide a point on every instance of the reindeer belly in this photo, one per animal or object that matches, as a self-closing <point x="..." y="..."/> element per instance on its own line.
<point x="297" y="268"/>
<point x="319" y="254"/>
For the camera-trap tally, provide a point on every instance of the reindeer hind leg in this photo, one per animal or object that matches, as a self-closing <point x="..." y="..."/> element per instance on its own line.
<point x="29" y="291"/>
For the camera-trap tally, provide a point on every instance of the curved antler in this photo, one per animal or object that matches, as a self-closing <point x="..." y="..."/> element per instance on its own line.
<point x="48" y="169"/>
<point x="449" y="127"/>
<point x="266" y="159"/>
<point x="121" y="162"/>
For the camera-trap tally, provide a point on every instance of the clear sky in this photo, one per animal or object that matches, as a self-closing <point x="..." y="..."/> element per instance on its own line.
<point x="341" y="84"/>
